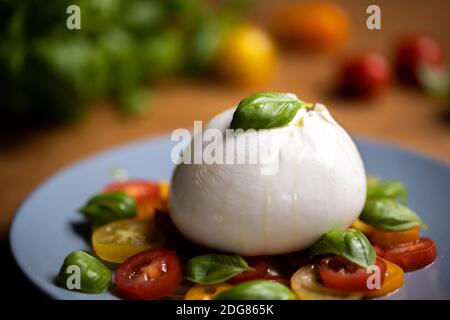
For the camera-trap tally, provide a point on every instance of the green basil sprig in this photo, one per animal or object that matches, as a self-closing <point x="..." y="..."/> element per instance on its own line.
<point x="257" y="290"/>
<point x="266" y="110"/>
<point x="215" y="268"/>
<point x="83" y="272"/>
<point x="390" y="215"/>
<point x="106" y="207"/>
<point x="394" y="190"/>
<point x="350" y="244"/>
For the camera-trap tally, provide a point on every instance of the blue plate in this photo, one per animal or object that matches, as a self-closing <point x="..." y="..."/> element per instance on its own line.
<point x="47" y="226"/>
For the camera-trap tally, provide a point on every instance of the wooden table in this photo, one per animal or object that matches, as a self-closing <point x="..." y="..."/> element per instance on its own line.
<point x="403" y="116"/>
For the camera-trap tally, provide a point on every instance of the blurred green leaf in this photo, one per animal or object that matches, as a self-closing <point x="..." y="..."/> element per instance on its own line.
<point x="163" y="54"/>
<point x="50" y="72"/>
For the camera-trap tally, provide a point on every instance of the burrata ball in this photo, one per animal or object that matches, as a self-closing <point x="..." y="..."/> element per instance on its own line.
<point x="312" y="181"/>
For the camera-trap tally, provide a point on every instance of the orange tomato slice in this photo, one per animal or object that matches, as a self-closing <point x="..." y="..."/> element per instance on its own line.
<point x="393" y="281"/>
<point x="385" y="238"/>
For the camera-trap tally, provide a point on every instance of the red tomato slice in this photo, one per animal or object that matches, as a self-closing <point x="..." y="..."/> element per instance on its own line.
<point x="142" y="191"/>
<point x="340" y="274"/>
<point x="150" y="274"/>
<point x="412" y="256"/>
<point x="145" y="193"/>
<point x="379" y="250"/>
<point x="260" y="264"/>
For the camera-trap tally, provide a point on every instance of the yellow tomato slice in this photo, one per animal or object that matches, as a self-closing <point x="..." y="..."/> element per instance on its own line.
<point x="385" y="238"/>
<point x="203" y="292"/>
<point x="393" y="281"/>
<point x="307" y="287"/>
<point x="121" y="239"/>
<point x="363" y="227"/>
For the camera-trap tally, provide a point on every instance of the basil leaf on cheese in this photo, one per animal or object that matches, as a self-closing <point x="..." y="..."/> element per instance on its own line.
<point x="350" y="244"/>
<point x="266" y="110"/>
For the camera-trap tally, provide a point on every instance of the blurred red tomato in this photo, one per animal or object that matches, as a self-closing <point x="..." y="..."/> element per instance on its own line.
<point x="366" y="74"/>
<point x="415" y="51"/>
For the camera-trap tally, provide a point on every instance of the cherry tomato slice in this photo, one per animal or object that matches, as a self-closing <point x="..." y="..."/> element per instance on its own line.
<point x="386" y="238"/>
<point x="307" y="286"/>
<point x="412" y="256"/>
<point x="151" y="274"/>
<point x="365" y="228"/>
<point x="339" y="274"/>
<point x="121" y="239"/>
<point x="145" y="193"/>
<point x="378" y="250"/>
<point x="393" y="280"/>
<point x="206" y="292"/>
<point x="260" y="264"/>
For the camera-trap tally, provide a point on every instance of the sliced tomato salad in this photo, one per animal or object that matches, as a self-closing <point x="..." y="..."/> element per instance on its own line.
<point x="393" y="280"/>
<point x="340" y="274"/>
<point x="386" y="238"/>
<point x="150" y="274"/>
<point x="119" y="240"/>
<point x="148" y="195"/>
<point x="412" y="256"/>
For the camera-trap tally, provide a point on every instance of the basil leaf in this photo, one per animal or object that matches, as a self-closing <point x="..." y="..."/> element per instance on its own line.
<point x="394" y="190"/>
<point x="109" y="206"/>
<point x="350" y="244"/>
<point x="266" y="110"/>
<point x="257" y="290"/>
<point x="215" y="268"/>
<point x="94" y="277"/>
<point x="390" y="215"/>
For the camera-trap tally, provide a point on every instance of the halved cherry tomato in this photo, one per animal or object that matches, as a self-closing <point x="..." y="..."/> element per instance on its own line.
<point x="151" y="274"/>
<point x="412" y="256"/>
<point x="363" y="227"/>
<point x="119" y="240"/>
<point x="393" y="280"/>
<point x="340" y="274"/>
<point x="261" y="267"/>
<point x="306" y="286"/>
<point x="206" y="292"/>
<point x="385" y="238"/>
<point x="147" y="195"/>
